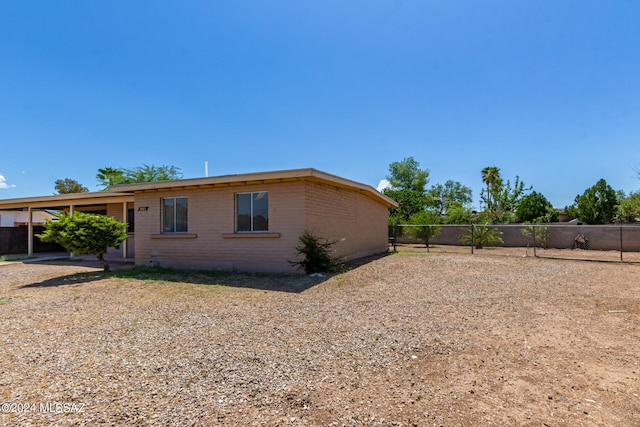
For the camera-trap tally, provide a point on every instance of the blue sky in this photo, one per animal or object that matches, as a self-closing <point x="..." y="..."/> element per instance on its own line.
<point x="547" y="90"/>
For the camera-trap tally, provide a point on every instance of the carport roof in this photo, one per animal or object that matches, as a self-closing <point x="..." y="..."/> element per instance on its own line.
<point x="61" y="200"/>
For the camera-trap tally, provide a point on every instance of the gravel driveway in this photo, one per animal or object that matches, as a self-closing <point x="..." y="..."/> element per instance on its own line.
<point x="411" y="339"/>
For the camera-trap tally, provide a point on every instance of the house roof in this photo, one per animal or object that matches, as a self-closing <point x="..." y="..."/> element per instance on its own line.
<point x="309" y="174"/>
<point x="63" y="200"/>
<point x="125" y="193"/>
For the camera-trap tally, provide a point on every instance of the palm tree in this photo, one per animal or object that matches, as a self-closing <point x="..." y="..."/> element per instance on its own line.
<point x="481" y="236"/>
<point x="491" y="176"/>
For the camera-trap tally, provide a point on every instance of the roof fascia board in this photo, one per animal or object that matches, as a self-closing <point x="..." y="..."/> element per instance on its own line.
<point x="257" y="178"/>
<point x="75" y="199"/>
<point x="240" y="179"/>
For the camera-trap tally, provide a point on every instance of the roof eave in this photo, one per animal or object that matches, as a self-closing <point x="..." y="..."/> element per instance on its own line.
<point x="257" y="177"/>
<point x="56" y="200"/>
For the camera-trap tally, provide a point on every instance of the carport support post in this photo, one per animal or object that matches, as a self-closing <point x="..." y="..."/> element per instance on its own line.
<point x="30" y="232"/>
<point x="125" y="218"/>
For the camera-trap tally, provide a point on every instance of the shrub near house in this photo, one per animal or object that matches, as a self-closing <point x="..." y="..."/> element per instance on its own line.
<point x="85" y="234"/>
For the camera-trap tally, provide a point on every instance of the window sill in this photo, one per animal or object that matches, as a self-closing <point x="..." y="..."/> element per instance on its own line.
<point x="174" y="236"/>
<point x="256" y="235"/>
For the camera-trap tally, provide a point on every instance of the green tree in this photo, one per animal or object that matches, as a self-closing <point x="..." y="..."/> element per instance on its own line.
<point x="151" y="173"/>
<point x="408" y="184"/>
<point x="535" y="206"/>
<point x="408" y="175"/>
<point x="85" y="234"/>
<point x="409" y="203"/>
<point x="109" y="176"/>
<point x="457" y="213"/>
<point x="597" y="205"/>
<point x="491" y="178"/>
<point x="628" y="209"/>
<point x="424" y="227"/>
<point x="500" y="198"/>
<point x="68" y="186"/>
<point x="451" y="194"/>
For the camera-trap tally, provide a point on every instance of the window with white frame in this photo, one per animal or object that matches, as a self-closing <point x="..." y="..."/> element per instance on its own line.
<point x="252" y="211"/>
<point x="174" y="215"/>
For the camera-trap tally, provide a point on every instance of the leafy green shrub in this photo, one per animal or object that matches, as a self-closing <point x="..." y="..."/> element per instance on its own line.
<point x="85" y="234"/>
<point x="317" y="255"/>
<point x="481" y="236"/>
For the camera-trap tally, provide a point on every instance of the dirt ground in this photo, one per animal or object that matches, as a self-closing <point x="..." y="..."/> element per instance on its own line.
<point x="409" y="339"/>
<point x="559" y="254"/>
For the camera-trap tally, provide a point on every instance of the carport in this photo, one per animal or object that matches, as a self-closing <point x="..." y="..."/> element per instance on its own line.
<point x="119" y="205"/>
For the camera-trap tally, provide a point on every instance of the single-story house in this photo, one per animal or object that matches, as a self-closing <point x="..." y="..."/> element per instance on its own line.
<point x="245" y="222"/>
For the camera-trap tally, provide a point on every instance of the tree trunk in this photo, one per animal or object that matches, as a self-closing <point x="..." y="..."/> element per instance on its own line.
<point x="104" y="263"/>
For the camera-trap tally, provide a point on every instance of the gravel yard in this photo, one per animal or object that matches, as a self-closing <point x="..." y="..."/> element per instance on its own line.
<point x="408" y="339"/>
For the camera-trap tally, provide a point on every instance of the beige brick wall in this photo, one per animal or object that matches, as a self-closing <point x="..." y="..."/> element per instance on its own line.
<point x="358" y="222"/>
<point x="210" y="242"/>
<point x="293" y="206"/>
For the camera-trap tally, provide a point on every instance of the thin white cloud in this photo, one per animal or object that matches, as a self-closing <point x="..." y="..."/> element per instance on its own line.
<point x="383" y="184"/>
<point x="3" y="183"/>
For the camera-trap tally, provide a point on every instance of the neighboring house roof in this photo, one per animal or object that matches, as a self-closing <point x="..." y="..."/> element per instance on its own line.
<point x="309" y="174"/>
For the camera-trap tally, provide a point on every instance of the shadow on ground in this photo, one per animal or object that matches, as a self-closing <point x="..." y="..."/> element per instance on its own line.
<point x="126" y="271"/>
